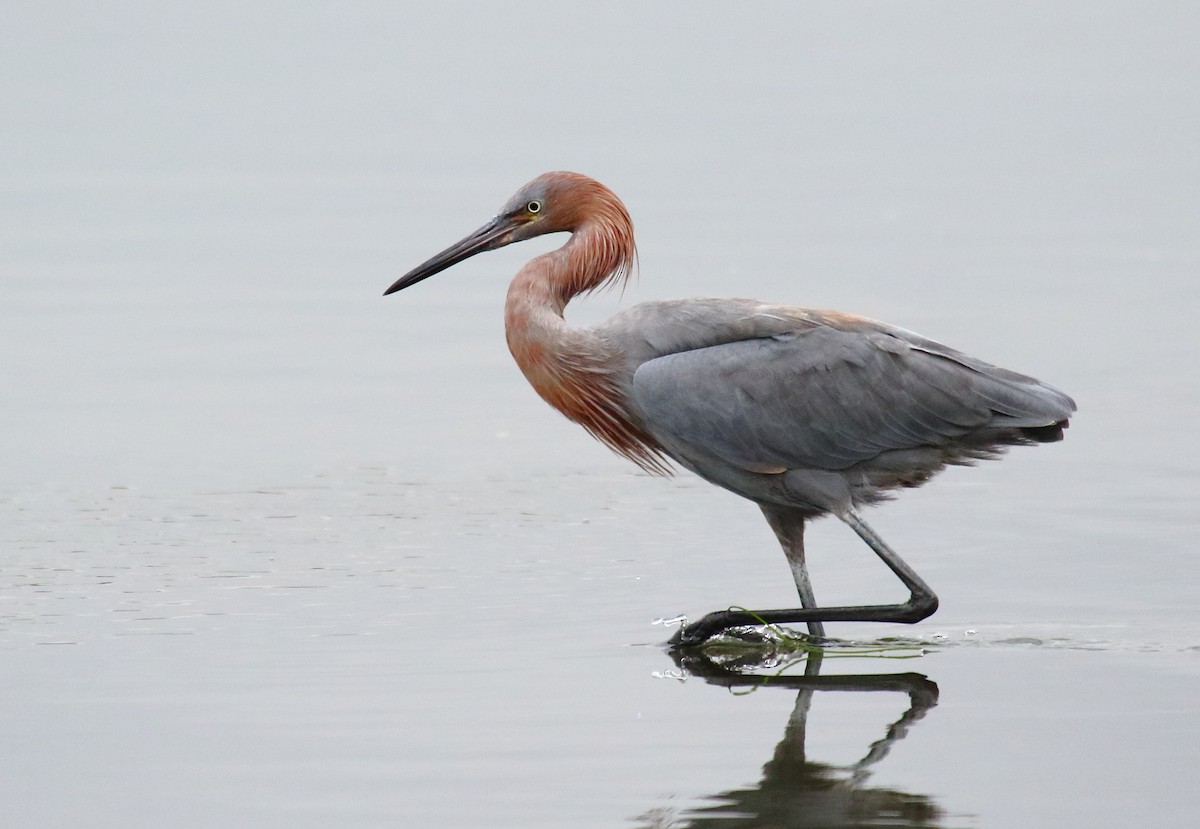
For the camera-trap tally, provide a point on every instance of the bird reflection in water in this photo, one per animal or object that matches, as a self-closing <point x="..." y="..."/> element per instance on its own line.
<point x="796" y="792"/>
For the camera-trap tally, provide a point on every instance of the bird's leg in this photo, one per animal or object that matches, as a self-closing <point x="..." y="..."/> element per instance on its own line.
<point x="922" y="601"/>
<point x="788" y="525"/>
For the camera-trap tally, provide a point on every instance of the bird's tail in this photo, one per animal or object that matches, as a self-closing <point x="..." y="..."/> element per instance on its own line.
<point x="1045" y="434"/>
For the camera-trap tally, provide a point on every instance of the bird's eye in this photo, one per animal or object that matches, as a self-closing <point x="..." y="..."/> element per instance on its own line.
<point x="534" y="206"/>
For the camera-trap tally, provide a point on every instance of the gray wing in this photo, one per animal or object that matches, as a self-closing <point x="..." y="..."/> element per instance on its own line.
<point x="828" y="398"/>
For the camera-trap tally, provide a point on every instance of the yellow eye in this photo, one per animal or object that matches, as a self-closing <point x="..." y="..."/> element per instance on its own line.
<point x="534" y="206"/>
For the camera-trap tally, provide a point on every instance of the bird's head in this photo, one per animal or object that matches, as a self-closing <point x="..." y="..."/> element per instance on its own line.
<point x="551" y="203"/>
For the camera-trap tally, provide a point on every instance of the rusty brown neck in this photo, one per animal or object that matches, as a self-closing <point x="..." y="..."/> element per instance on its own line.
<point x="573" y="369"/>
<point x="544" y="346"/>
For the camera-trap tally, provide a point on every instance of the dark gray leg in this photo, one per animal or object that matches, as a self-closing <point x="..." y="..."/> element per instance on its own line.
<point x="788" y="525"/>
<point x="922" y="601"/>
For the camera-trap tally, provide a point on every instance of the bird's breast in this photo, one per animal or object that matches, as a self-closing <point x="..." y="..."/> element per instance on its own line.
<point x="574" y="372"/>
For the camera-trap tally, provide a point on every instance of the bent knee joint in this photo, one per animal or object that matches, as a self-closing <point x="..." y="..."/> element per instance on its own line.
<point x="919" y="607"/>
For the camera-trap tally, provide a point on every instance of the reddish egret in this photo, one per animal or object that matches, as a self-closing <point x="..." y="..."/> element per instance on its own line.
<point x="804" y="412"/>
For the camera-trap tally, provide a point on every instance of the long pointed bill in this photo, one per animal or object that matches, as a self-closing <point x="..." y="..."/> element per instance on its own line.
<point x="489" y="237"/>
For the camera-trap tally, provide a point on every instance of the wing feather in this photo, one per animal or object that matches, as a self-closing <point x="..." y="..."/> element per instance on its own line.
<point x="824" y="397"/>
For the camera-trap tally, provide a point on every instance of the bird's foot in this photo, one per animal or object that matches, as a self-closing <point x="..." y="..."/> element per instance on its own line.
<point x="745" y="626"/>
<point x="697" y="633"/>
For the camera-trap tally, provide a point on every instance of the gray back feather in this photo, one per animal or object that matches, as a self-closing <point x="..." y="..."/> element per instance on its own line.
<point x="829" y="392"/>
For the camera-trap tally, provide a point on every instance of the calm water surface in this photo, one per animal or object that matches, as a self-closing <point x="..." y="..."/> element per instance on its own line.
<point x="277" y="552"/>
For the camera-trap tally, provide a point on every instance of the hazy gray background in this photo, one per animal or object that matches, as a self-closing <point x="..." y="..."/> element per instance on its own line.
<point x="316" y="557"/>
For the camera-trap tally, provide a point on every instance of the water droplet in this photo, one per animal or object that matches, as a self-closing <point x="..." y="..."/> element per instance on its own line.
<point x="678" y="676"/>
<point x="670" y="621"/>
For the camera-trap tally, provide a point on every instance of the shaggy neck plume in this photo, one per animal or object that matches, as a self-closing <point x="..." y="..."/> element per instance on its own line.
<point x="572" y="369"/>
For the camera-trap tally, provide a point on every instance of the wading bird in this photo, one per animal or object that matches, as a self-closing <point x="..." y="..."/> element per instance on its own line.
<point x="804" y="412"/>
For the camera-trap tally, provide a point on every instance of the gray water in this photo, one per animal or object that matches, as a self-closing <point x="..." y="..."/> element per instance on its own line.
<point x="278" y="552"/>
